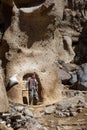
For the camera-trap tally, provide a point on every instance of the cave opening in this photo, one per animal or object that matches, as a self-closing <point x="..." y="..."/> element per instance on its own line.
<point x="4" y="47"/>
<point x="75" y="45"/>
<point x="28" y="3"/>
<point x="40" y="90"/>
<point x="5" y="18"/>
<point x="7" y="13"/>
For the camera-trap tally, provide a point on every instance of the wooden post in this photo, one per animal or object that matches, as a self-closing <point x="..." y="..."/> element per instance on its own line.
<point x="25" y="91"/>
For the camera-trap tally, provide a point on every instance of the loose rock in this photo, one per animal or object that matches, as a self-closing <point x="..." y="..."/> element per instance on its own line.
<point x="50" y="110"/>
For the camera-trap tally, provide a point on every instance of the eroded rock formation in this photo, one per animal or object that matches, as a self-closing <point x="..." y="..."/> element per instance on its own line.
<point x="33" y="43"/>
<point x="3" y="96"/>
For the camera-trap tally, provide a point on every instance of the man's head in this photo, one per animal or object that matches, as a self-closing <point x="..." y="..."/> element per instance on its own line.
<point x="34" y="75"/>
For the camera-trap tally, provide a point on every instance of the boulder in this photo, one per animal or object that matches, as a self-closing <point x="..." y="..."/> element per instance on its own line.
<point x="73" y="113"/>
<point x="82" y="77"/>
<point x="27" y="112"/>
<point x="13" y="80"/>
<point x="73" y="78"/>
<point x="79" y="77"/>
<point x="64" y="75"/>
<point x="19" y="108"/>
<point x="69" y="67"/>
<point x="50" y="110"/>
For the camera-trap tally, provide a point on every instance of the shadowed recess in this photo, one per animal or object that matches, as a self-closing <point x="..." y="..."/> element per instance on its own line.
<point x="38" y="27"/>
<point x="40" y="91"/>
<point x="28" y="3"/>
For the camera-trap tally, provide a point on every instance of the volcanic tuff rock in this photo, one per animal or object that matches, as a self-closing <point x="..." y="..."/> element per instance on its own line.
<point x="31" y="37"/>
<point x="3" y="96"/>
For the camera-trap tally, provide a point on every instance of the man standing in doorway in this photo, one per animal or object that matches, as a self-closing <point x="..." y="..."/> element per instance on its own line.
<point x="33" y="89"/>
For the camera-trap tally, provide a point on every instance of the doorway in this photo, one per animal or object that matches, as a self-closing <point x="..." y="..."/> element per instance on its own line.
<point x="40" y="90"/>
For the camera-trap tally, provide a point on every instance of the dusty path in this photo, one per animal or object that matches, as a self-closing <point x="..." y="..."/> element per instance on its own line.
<point x="68" y="123"/>
<point x="53" y="122"/>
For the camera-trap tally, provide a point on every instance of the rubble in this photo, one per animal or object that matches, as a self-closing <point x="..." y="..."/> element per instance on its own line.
<point x="50" y="110"/>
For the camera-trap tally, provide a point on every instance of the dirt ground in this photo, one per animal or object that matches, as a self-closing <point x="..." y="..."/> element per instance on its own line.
<point x="67" y="123"/>
<point x="53" y="122"/>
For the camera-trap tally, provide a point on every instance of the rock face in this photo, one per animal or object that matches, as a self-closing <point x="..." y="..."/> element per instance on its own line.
<point x="64" y="76"/>
<point x="3" y="96"/>
<point x="73" y="78"/>
<point x="79" y="78"/>
<point x="82" y="77"/>
<point x="82" y="47"/>
<point x="33" y="47"/>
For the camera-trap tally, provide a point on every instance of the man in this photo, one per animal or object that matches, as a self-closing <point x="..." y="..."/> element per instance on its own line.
<point x="33" y="89"/>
